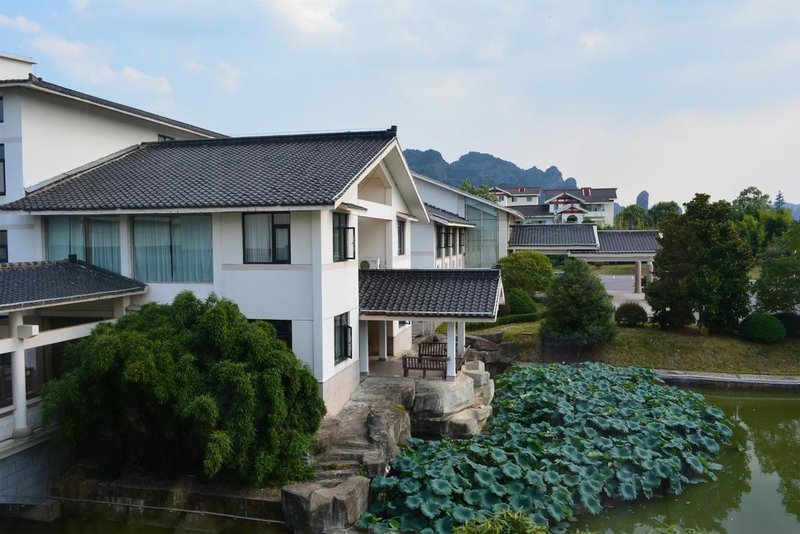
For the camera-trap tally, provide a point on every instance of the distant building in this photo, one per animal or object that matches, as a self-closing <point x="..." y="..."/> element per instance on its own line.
<point x="585" y="204"/>
<point x="514" y="196"/>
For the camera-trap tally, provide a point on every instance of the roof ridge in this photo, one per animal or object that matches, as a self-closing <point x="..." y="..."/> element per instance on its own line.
<point x="388" y="133"/>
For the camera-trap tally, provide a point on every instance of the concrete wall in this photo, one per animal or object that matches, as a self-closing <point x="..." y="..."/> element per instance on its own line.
<point x="24" y="475"/>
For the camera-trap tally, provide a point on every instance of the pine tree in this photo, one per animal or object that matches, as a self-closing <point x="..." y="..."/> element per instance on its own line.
<point x="779" y="201"/>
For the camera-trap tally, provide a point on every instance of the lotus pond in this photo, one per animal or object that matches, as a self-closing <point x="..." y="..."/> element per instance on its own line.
<point x="758" y="489"/>
<point x="565" y="441"/>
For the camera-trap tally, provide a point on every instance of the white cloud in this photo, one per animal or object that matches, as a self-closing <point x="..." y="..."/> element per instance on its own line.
<point x="80" y="61"/>
<point x="309" y="17"/>
<point x="225" y="74"/>
<point x="596" y="40"/>
<point x="80" y="5"/>
<point x="19" y="23"/>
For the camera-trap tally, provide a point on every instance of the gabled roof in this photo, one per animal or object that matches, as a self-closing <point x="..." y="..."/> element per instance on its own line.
<point x="519" y="190"/>
<point x="245" y="172"/>
<point x="39" y="84"/>
<point x="440" y="293"/>
<point x="36" y="284"/>
<point x="568" y="236"/>
<point x="603" y="194"/>
<point x="539" y="210"/>
<point x="437" y="183"/>
<point x="447" y="218"/>
<point x="628" y="241"/>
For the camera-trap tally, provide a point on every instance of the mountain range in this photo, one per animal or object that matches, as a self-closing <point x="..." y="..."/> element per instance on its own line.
<point x="480" y="168"/>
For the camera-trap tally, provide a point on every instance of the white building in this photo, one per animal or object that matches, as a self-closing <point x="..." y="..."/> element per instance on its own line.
<point x="587" y="204"/>
<point x="515" y="196"/>
<point x="46" y="130"/>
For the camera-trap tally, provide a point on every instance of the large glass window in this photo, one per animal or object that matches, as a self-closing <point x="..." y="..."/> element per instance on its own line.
<point x="266" y="238"/>
<point x="2" y="170"/>
<point x="342" y="338"/>
<point x="172" y="248"/>
<point x="401" y="238"/>
<point x="483" y="241"/>
<point x="94" y="240"/>
<point x="344" y="238"/>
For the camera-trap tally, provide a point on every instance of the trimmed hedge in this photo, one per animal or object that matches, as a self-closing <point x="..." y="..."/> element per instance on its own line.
<point x="791" y="322"/>
<point x="520" y="301"/>
<point x="762" y="328"/>
<point x="630" y="314"/>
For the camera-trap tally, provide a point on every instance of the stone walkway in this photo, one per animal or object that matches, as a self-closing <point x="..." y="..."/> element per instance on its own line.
<point x="729" y="380"/>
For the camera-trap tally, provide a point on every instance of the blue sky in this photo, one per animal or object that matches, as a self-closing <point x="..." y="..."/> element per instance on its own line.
<point x="673" y="97"/>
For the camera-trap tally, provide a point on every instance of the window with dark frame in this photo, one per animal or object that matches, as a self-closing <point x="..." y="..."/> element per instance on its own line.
<point x="162" y="137"/>
<point x="2" y="170"/>
<point x="283" y="330"/>
<point x="344" y="238"/>
<point x="266" y="237"/>
<point x="342" y="338"/>
<point x="2" y="115"/>
<point x="439" y="241"/>
<point x="462" y="240"/>
<point x="3" y="246"/>
<point x="401" y="238"/>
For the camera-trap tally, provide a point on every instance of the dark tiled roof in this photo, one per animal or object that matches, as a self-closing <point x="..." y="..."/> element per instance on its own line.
<point x="38" y="82"/>
<point x="447" y="216"/>
<point x="553" y="236"/>
<point x="603" y="194"/>
<point x="430" y="292"/>
<point x="29" y="285"/>
<point x="520" y="189"/>
<point x="628" y="241"/>
<point x="287" y="170"/>
<point x="540" y="210"/>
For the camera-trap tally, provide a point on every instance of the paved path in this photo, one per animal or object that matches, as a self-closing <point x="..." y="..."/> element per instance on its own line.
<point x="729" y="380"/>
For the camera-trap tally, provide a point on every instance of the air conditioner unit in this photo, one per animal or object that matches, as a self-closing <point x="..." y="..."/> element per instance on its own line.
<point x="370" y="264"/>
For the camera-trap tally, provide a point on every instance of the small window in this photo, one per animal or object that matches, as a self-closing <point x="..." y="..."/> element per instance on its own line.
<point x="462" y="240"/>
<point x="440" y="241"/>
<point x="344" y="238"/>
<point x="162" y="137"/>
<point x="342" y="338"/>
<point x="2" y="116"/>
<point x="2" y="169"/>
<point x="267" y="237"/>
<point x="3" y="246"/>
<point x="401" y="238"/>
<point x="450" y="245"/>
<point x="283" y="330"/>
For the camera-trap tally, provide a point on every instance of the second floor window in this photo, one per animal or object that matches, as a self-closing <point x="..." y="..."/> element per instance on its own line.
<point x="172" y="248"/>
<point x="344" y="238"/>
<point x="2" y="170"/>
<point x="462" y="240"/>
<point x="267" y="237"/>
<point x="3" y="246"/>
<point x="401" y="238"/>
<point x="342" y="338"/>
<point x="94" y="240"/>
<point x="440" y="241"/>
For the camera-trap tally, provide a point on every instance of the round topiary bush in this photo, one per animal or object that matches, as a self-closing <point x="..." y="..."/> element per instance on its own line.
<point x="763" y="328"/>
<point x="791" y="322"/>
<point x="520" y="301"/>
<point x="630" y="314"/>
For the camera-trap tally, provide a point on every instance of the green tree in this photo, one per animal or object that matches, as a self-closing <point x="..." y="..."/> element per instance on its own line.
<point x="632" y="217"/>
<point x="751" y="201"/>
<point x="527" y="270"/>
<point x="752" y="231"/>
<point x="660" y="211"/>
<point x="779" y="201"/>
<point x="703" y="267"/>
<point x="191" y="387"/>
<point x="776" y="221"/>
<point x="479" y="191"/>
<point x="778" y="287"/>
<point x="578" y="308"/>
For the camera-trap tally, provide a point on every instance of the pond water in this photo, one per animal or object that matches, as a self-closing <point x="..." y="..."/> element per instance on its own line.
<point x="758" y="491"/>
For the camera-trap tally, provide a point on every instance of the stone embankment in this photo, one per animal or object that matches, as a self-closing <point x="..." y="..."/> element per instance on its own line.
<point x="362" y="439"/>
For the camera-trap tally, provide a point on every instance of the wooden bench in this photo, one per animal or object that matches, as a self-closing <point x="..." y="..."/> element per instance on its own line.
<point x="431" y="357"/>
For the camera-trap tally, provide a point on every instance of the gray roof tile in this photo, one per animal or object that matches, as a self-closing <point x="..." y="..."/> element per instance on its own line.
<point x="34" y="284"/>
<point x="286" y="170"/>
<point x="447" y="216"/>
<point x="539" y="210"/>
<point x="469" y="293"/>
<point x="600" y="194"/>
<point x="628" y="241"/>
<point x="553" y="236"/>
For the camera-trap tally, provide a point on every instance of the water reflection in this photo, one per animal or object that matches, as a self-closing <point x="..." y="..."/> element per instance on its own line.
<point x="757" y="491"/>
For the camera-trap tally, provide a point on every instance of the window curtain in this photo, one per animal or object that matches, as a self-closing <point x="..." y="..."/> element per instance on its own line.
<point x="257" y="238"/>
<point x="65" y="236"/>
<point x="152" y="260"/>
<point x="191" y="248"/>
<point x="104" y="243"/>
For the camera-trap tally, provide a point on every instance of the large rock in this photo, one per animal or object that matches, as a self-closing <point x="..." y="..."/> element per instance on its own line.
<point x="485" y="393"/>
<point x="348" y="501"/>
<point x="305" y="509"/>
<point x="481" y="343"/>
<point x="382" y="389"/>
<point x="437" y="398"/>
<point x="388" y="425"/>
<point x="462" y="424"/>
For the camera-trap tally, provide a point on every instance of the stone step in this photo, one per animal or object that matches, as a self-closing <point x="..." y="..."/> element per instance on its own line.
<point x="337" y="474"/>
<point x="337" y="465"/>
<point x="338" y="454"/>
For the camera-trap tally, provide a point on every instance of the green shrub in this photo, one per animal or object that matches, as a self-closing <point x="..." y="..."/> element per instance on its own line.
<point x="507" y="522"/>
<point x="564" y="439"/>
<point x="630" y="314"/>
<point x="790" y="322"/>
<point x="520" y="301"/>
<point x="190" y="387"/>
<point x="763" y="328"/>
<point x="528" y="270"/>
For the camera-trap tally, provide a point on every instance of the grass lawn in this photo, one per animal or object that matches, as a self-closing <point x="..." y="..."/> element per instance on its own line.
<point x="685" y="349"/>
<point x="616" y="268"/>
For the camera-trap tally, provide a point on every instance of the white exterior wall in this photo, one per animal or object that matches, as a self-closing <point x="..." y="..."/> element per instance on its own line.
<point x="423" y="245"/>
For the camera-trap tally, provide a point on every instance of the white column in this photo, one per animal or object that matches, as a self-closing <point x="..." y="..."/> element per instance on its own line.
<point x="649" y="271"/>
<point x="462" y="340"/>
<point x="382" y="349"/>
<point x="451" y="350"/>
<point x="637" y="282"/>
<point x="18" y="387"/>
<point x="363" y="346"/>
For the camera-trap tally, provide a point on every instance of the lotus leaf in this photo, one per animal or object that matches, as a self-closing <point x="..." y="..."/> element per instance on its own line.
<point x="413" y="502"/>
<point x="441" y="487"/>
<point x="511" y="471"/>
<point x="408" y="486"/>
<point x="429" y="509"/>
<point x="462" y="514"/>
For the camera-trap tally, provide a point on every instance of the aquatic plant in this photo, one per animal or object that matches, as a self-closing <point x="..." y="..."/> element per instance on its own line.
<point x="565" y="439"/>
